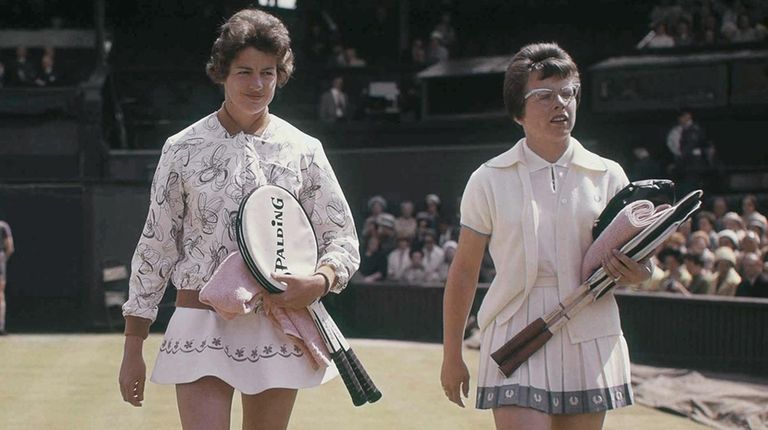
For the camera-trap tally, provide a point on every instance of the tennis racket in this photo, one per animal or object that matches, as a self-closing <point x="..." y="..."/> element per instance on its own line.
<point x="275" y="235"/>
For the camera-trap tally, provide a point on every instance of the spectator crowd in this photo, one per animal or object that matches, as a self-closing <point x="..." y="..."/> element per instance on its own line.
<point x="25" y="71"/>
<point x="717" y="252"/>
<point x="688" y="23"/>
<point x="412" y="248"/>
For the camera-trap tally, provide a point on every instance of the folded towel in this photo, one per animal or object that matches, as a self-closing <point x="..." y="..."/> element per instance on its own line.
<point x="630" y="221"/>
<point x="233" y="291"/>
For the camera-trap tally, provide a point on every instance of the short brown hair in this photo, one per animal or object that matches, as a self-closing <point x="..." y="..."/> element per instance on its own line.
<point x="547" y="59"/>
<point x="251" y="28"/>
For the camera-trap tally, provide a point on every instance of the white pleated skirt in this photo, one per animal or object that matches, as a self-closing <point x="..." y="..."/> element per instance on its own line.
<point x="249" y="353"/>
<point x="559" y="378"/>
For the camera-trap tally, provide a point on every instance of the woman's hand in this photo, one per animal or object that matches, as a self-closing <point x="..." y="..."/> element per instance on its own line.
<point x="301" y="291"/>
<point x="133" y="371"/>
<point x="624" y="270"/>
<point x="455" y="379"/>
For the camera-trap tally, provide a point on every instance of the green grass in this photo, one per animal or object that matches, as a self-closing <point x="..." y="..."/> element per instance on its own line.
<point x="70" y="382"/>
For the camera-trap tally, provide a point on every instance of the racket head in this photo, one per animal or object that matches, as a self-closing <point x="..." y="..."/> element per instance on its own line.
<point x="275" y="235"/>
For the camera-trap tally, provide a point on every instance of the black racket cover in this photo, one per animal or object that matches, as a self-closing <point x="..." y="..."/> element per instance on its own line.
<point x="658" y="191"/>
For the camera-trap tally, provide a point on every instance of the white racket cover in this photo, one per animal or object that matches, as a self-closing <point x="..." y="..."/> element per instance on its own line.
<point x="274" y="235"/>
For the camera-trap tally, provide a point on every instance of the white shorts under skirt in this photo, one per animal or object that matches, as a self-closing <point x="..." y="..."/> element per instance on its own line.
<point x="249" y="353"/>
<point x="561" y="377"/>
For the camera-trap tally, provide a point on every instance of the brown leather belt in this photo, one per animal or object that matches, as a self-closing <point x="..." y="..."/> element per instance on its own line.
<point x="190" y="299"/>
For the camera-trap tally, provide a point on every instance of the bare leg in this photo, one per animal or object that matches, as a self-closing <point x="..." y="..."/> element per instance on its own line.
<point x="519" y="418"/>
<point x="593" y="421"/>
<point x="2" y="306"/>
<point x="269" y="410"/>
<point x="205" y="404"/>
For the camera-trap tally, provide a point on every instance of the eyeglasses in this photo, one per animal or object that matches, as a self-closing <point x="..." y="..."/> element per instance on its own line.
<point x="546" y="96"/>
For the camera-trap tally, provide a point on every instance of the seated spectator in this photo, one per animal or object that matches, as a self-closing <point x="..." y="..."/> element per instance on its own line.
<point x="433" y="210"/>
<point x="705" y="222"/>
<point x="422" y="226"/>
<point x="676" y="241"/>
<point x="376" y="206"/>
<point x="676" y="279"/>
<point x="449" y="249"/>
<point x="758" y="226"/>
<point x="417" y="273"/>
<point x="433" y="254"/>
<point x="334" y="103"/>
<point x="754" y="282"/>
<point x="701" y="280"/>
<point x="728" y="238"/>
<point x="352" y="59"/>
<point x="47" y="76"/>
<point x="683" y="35"/>
<point x="385" y="230"/>
<point x="405" y="224"/>
<point x="749" y="243"/>
<point x="719" y="209"/>
<point x="710" y="31"/>
<point x="22" y="69"/>
<point x="446" y="31"/>
<point x="726" y="279"/>
<point x="660" y="37"/>
<point x="436" y="51"/>
<point x="399" y="259"/>
<point x="417" y="55"/>
<point x="446" y="231"/>
<point x="699" y="244"/>
<point x="749" y="209"/>
<point x="373" y="262"/>
<point x="744" y="32"/>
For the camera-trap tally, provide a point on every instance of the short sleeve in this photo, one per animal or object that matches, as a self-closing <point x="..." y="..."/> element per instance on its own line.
<point x="619" y="179"/>
<point x="475" y="205"/>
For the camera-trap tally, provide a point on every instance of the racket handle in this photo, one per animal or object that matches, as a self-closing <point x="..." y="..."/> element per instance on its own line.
<point x="349" y="378"/>
<point x="371" y="392"/>
<point x="520" y="356"/>
<point x="519" y="341"/>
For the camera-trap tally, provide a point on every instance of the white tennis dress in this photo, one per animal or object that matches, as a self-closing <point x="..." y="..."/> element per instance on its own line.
<point x="201" y="178"/>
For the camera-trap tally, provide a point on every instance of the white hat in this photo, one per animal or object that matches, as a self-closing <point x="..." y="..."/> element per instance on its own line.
<point x="726" y="254"/>
<point x="377" y="199"/>
<point x="433" y="198"/>
<point x="730" y="234"/>
<point x="386" y="220"/>
<point x="450" y="244"/>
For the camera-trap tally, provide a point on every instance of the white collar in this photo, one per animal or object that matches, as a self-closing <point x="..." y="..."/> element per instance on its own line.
<point x="535" y="162"/>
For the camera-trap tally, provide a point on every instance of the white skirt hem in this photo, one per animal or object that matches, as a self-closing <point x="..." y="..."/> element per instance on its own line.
<point x="249" y="353"/>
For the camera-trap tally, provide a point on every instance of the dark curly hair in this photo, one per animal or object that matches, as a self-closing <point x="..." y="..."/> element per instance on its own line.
<point x="251" y="28"/>
<point x="547" y="59"/>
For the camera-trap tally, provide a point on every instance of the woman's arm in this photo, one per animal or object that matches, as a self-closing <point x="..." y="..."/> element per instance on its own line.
<point x="459" y="294"/>
<point x="154" y="259"/>
<point x="158" y="249"/>
<point x="324" y="201"/>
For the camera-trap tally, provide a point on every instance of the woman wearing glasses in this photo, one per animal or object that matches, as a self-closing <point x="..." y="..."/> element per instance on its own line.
<point x="534" y="206"/>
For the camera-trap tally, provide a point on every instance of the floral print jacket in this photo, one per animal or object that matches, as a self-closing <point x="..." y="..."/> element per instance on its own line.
<point x="201" y="178"/>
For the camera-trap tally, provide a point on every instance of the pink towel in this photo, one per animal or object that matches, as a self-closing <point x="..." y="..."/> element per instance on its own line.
<point x="630" y="221"/>
<point x="233" y="291"/>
